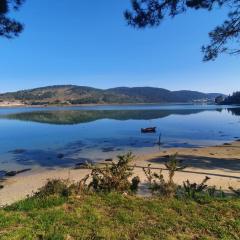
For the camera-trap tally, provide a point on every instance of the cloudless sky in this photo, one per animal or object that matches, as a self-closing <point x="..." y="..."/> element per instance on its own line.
<point x="89" y="43"/>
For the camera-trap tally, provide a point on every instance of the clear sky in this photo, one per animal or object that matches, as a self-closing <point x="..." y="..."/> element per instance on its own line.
<point x="88" y="43"/>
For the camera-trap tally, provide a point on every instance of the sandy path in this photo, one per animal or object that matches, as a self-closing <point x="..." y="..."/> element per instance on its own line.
<point x="220" y="163"/>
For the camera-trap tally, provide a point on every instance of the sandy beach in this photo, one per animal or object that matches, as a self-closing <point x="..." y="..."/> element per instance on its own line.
<point x="220" y="163"/>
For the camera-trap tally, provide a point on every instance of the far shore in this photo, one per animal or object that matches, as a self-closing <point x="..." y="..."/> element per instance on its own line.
<point x="220" y="163"/>
<point x="22" y="105"/>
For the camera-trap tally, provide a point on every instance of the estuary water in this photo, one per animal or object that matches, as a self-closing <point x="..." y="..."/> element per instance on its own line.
<point x="64" y="136"/>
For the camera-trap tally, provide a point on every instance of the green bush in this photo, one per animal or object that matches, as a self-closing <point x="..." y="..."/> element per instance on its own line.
<point x="193" y="189"/>
<point x="56" y="187"/>
<point x="114" y="176"/>
<point x="157" y="184"/>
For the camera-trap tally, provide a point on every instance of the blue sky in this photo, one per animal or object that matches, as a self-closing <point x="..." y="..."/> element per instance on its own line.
<point x="88" y="43"/>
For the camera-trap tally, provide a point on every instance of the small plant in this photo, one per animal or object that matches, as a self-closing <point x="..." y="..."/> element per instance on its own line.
<point x="114" y="176"/>
<point x="192" y="189"/>
<point x="172" y="166"/>
<point x="156" y="181"/>
<point x="135" y="184"/>
<point x="55" y="187"/>
<point x="82" y="186"/>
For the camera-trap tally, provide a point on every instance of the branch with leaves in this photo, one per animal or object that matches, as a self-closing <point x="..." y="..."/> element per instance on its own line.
<point x="9" y="27"/>
<point x="223" y="39"/>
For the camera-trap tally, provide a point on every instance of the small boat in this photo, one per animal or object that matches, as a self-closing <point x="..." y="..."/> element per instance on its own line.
<point x="148" y="130"/>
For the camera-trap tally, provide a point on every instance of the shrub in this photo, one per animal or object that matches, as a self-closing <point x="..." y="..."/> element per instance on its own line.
<point x="82" y="186"/>
<point x="157" y="183"/>
<point x="56" y="187"/>
<point x="172" y="166"/>
<point x="201" y="192"/>
<point x="192" y="189"/>
<point x="114" y="176"/>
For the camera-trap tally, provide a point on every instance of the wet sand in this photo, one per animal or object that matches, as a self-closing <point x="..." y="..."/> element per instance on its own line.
<point x="220" y="163"/>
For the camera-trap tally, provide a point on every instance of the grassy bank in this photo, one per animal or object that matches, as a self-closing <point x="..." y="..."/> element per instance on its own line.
<point x="114" y="216"/>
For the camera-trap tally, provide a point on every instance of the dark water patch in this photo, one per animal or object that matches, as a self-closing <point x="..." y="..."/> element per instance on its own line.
<point x="14" y="173"/>
<point x="17" y="151"/>
<point x="178" y="144"/>
<point x="137" y="142"/>
<point x="75" y="145"/>
<point x="60" y="155"/>
<point x="2" y="174"/>
<point x="51" y="158"/>
<point x="108" y="149"/>
<point x="44" y="159"/>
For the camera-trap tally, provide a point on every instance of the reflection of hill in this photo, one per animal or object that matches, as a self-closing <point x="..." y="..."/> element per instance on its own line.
<point x="75" y="117"/>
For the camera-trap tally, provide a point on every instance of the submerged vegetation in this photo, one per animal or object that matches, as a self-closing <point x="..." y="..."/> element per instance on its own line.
<point x="103" y="206"/>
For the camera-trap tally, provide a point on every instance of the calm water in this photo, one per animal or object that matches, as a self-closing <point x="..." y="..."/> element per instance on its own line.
<point x="35" y="137"/>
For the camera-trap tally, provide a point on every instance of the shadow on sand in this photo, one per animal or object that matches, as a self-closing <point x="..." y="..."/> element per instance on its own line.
<point x="206" y="163"/>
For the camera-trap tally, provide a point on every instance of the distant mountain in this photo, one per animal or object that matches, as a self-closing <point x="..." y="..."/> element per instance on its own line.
<point x="71" y="94"/>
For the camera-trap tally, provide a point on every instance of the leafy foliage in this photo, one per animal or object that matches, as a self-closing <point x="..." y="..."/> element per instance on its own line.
<point x="114" y="176"/>
<point x="234" y="99"/>
<point x="172" y="166"/>
<point x="56" y="187"/>
<point x="158" y="184"/>
<point x="192" y="189"/>
<point x="223" y="39"/>
<point x="9" y="28"/>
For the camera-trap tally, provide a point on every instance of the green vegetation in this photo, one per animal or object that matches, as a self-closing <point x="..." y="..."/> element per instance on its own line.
<point x="114" y="216"/>
<point x="106" y="208"/>
<point x="70" y="94"/>
<point x="115" y="176"/>
<point x="156" y="182"/>
<point x="234" y="99"/>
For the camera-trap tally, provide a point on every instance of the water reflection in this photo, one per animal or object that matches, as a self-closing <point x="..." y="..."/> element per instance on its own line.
<point x="75" y="117"/>
<point x="234" y="111"/>
<point x="37" y="137"/>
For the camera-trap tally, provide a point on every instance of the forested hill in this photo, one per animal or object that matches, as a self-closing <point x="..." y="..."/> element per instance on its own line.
<point x="233" y="99"/>
<point x="71" y="94"/>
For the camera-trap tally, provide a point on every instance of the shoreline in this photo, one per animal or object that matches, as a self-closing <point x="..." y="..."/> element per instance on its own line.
<point x="106" y="104"/>
<point x="220" y="163"/>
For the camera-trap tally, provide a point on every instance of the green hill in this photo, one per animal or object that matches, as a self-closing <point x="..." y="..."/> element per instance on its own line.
<point x="71" y="94"/>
